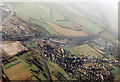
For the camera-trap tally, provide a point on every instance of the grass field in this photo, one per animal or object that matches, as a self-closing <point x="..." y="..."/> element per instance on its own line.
<point x="53" y="67"/>
<point x="67" y="24"/>
<point x="92" y="27"/>
<point x="87" y="16"/>
<point x="11" y="64"/>
<point x="84" y="50"/>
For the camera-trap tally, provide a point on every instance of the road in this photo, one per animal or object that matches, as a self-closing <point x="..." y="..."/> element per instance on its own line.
<point x="50" y="78"/>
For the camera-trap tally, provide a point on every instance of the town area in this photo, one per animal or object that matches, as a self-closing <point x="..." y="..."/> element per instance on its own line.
<point x="29" y="52"/>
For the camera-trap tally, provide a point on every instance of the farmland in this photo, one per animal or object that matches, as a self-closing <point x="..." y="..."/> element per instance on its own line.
<point x="66" y="32"/>
<point x="24" y="69"/>
<point x="84" y="50"/>
<point x="12" y="48"/>
<point x="18" y="72"/>
<point x="76" y="12"/>
<point x="39" y="12"/>
<point x="53" y="67"/>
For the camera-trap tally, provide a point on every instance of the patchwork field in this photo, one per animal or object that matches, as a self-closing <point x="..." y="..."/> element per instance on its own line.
<point x="23" y="69"/>
<point x="84" y="50"/>
<point x="66" y="32"/>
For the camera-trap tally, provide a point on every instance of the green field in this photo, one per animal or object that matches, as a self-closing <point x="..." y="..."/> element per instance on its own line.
<point x="92" y="27"/>
<point x="85" y="16"/>
<point x="11" y="64"/>
<point x="65" y="24"/>
<point x="52" y="67"/>
<point x="84" y="50"/>
<point x="72" y="50"/>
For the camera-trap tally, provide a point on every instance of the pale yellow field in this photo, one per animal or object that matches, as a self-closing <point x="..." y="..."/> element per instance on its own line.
<point x="66" y="32"/>
<point x="87" y="50"/>
<point x="84" y="50"/>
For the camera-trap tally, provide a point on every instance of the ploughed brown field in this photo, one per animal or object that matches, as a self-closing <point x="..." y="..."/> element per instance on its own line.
<point x="66" y="32"/>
